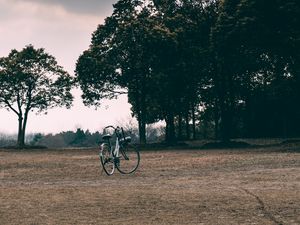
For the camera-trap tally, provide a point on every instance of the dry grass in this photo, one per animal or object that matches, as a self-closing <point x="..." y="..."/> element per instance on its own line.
<point x="250" y="186"/>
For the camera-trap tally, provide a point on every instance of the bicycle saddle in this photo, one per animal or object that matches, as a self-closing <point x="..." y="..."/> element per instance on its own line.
<point x="106" y="136"/>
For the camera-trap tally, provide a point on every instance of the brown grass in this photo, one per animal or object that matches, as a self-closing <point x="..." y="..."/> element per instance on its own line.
<point x="250" y="186"/>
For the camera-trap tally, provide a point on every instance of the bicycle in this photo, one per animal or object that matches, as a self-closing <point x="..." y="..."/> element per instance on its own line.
<point x="124" y="156"/>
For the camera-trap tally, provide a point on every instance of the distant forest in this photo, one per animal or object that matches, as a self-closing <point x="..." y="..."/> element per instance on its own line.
<point x="79" y="138"/>
<point x="208" y="68"/>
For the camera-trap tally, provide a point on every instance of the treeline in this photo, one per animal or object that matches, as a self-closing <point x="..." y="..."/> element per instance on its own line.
<point x="78" y="138"/>
<point x="81" y="138"/>
<point x="7" y="139"/>
<point x="229" y="68"/>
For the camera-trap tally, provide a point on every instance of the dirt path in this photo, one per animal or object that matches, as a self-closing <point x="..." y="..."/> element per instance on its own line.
<point x="254" y="186"/>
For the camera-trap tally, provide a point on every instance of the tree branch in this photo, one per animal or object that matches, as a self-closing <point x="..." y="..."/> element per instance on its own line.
<point x="9" y="106"/>
<point x="119" y="92"/>
<point x="19" y="103"/>
<point x="116" y="92"/>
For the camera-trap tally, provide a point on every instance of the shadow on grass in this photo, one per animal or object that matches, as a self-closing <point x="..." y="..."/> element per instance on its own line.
<point x="227" y="144"/>
<point x="289" y="144"/>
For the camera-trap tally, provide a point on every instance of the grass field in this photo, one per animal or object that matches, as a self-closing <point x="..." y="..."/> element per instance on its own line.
<point x="241" y="186"/>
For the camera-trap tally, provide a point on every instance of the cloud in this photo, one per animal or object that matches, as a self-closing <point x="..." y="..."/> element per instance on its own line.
<point x="63" y="33"/>
<point x="96" y="7"/>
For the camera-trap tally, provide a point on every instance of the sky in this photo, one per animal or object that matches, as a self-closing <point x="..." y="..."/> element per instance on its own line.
<point x="63" y="28"/>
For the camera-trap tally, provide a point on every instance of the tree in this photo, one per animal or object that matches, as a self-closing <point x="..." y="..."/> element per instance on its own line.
<point x="157" y="51"/>
<point x="226" y="75"/>
<point x="117" y="61"/>
<point x="31" y="80"/>
<point x="79" y="137"/>
<point x="256" y="46"/>
<point x="271" y="92"/>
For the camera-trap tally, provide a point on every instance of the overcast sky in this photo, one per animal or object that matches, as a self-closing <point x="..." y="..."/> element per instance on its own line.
<point x="63" y="28"/>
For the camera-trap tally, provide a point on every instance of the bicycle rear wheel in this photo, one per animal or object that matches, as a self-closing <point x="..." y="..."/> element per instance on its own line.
<point x="106" y="159"/>
<point x="128" y="160"/>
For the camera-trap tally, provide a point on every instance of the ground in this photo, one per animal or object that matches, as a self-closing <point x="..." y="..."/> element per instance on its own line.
<point x="231" y="186"/>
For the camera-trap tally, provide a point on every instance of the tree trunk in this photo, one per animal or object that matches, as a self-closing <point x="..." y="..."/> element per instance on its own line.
<point x="225" y="114"/>
<point x="180" y="126"/>
<point x="170" y="129"/>
<point x="194" y="123"/>
<point x="216" y="119"/>
<point x="140" y="108"/>
<point x="20" y="141"/>
<point x="205" y="129"/>
<point x="24" y="126"/>
<point x="226" y="124"/>
<point x="142" y="125"/>
<point x="187" y="126"/>
<point x="248" y="118"/>
<point x="142" y="131"/>
<point x="224" y="93"/>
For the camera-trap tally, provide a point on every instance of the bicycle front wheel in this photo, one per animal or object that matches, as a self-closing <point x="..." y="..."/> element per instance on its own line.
<point x="128" y="160"/>
<point x="106" y="159"/>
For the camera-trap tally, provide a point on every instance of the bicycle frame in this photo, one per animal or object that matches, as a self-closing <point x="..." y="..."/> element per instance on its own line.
<point x="114" y="152"/>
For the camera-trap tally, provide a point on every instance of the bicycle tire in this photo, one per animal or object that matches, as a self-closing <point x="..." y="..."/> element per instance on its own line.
<point x="128" y="160"/>
<point x="106" y="159"/>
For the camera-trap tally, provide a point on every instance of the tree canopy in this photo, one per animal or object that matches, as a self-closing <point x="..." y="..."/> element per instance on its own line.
<point x="231" y="64"/>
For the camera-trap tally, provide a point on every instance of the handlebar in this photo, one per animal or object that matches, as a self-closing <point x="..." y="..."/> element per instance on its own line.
<point x="119" y="132"/>
<point x="116" y="129"/>
<point x="109" y="127"/>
